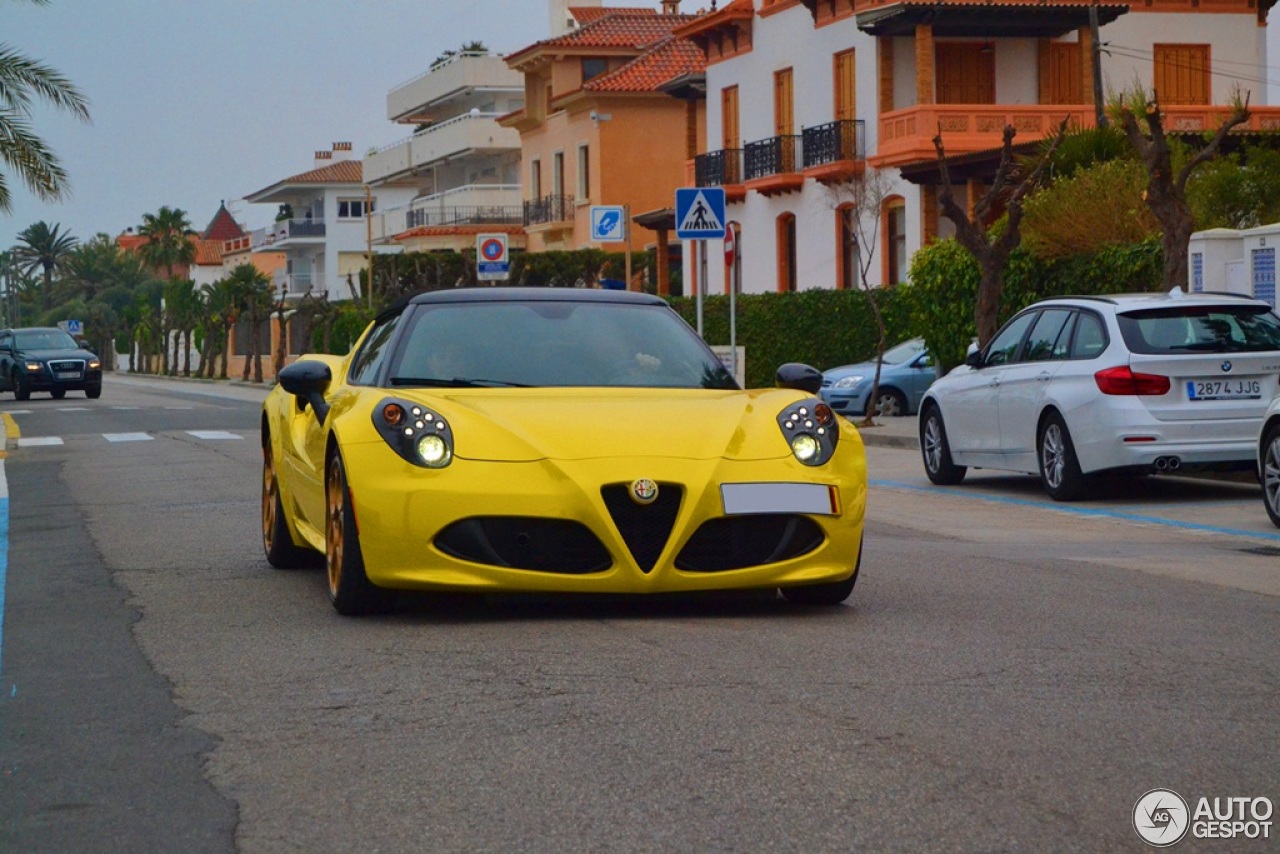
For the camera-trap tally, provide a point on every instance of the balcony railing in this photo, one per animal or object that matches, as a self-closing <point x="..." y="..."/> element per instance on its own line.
<point x="548" y="209"/>
<point x="774" y="156"/>
<point x="718" y="168"/>
<point x="293" y="283"/>
<point x="465" y="215"/>
<point x="835" y="141"/>
<point x="288" y="229"/>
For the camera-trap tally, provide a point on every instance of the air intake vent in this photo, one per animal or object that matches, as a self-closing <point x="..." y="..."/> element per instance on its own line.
<point x="738" y="542"/>
<point x="644" y="527"/>
<point x="520" y="542"/>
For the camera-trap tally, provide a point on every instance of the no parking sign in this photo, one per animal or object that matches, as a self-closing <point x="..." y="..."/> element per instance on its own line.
<point x="492" y="261"/>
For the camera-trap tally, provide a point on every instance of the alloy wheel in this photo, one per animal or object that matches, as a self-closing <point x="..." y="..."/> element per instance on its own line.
<point x="335" y="534"/>
<point x="1271" y="474"/>
<point x="1053" y="455"/>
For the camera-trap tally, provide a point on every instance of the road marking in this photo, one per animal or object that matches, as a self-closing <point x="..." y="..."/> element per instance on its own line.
<point x="126" y="407"/>
<point x="179" y="408"/>
<point x="39" y="441"/>
<point x="127" y="437"/>
<point x="18" y="412"/>
<point x="73" y="409"/>
<point x="213" y="434"/>
<point x="1096" y="512"/>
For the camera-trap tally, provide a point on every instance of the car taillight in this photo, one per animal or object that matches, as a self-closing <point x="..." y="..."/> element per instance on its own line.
<point x="1123" y="380"/>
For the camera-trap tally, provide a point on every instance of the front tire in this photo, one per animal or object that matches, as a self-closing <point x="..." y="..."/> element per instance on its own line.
<point x="824" y="595"/>
<point x="889" y="403"/>
<point x="93" y="392"/>
<point x="350" y="590"/>
<point x="1271" y="473"/>
<point x="276" y="540"/>
<point x="1059" y="468"/>
<point x="21" y="389"/>
<point x="936" y="451"/>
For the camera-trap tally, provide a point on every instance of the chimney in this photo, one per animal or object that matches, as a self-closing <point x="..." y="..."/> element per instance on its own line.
<point x="671" y="7"/>
<point x="323" y="158"/>
<point x="342" y="151"/>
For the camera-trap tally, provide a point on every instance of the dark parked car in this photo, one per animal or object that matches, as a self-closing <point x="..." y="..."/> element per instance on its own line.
<point x="47" y="359"/>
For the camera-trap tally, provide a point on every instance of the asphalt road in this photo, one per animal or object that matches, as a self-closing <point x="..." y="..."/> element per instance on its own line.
<point x="1009" y="674"/>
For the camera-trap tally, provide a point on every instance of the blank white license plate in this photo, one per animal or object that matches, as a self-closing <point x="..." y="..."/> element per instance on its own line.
<point x="813" y="498"/>
<point x="68" y="375"/>
<point x="1242" y="388"/>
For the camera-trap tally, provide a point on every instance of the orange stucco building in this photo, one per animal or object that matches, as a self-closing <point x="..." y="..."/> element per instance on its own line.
<point x="597" y="129"/>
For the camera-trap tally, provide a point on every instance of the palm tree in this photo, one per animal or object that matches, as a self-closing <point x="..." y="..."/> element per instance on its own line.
<point x="23" y="81"/>
<point x="253" y="293"/>
<point x="43" y="248"/>
<point x="168" y="233"/>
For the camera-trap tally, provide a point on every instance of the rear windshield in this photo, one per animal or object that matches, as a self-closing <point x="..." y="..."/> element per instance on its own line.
<point x="1200" y="329"/>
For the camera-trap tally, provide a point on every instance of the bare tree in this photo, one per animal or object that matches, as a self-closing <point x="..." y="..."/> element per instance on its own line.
<point x="1166" y="191"/>
<point x="992" y="251"/>
<point x="860" y="201"/>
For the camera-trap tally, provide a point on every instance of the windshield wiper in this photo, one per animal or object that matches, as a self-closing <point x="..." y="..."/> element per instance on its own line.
<point x="456" y="382"/>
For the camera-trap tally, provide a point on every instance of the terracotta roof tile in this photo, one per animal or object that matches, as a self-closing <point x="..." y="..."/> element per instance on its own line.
<point x="618" y="29"/>
<point x="664" y="61"/>
<point x="208" y="252"/>
<point x="223" y="226"/>
<point x="342" y="172"/>
<point x="590" y="14"/>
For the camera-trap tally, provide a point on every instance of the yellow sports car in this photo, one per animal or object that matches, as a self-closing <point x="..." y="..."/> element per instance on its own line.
<point x="544" y="439"/>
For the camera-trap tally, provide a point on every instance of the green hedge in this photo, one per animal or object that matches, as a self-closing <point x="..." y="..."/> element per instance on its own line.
<point x="823" y="328"/>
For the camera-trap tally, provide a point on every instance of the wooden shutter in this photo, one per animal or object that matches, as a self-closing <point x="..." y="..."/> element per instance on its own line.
<point x="729" y="133"/>
<point x="783" y="105"/>
<point x="846" y="87"/>
<point x="1182" y="73"/>
<point x="966" y="73"/>
<point x="1066" y="75"/>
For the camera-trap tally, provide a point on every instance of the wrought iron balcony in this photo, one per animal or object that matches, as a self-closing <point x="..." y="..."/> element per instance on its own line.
<point x="548" y="209"/>
<point x="835" y="141"/>
<point x="465" y="215"/>
<point x="774" y="156"/>
<point x="718" y="168"/>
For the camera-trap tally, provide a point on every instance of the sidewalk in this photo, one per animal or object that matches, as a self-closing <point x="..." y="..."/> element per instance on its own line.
<point x="891" y="431"/>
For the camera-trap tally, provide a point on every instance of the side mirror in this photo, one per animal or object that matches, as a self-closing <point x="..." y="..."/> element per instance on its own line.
<point x="800" y="377"/>
<point x="308" y="380"/>
<point x="974" y="359"/>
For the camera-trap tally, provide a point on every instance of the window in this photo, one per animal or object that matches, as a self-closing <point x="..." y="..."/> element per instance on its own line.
<point x="848" y="262"/>
<point x="354" y="208"/>
<point x="787" y="252"/>
<point x="1047" y="341"/>
<point x="730" y="135"/>
<point x="593" y="67"/>
<point x="1182" y="73"/>
<point x="557" y="174"/>
<point x="784" y="118"/>
<point x="895" y="240"/>
<point x="1090" y="338"/>
<point x="535" y="179"/>
<point x="1003" y="349"/>
<point x="365" y="365"/>
<point x="584" y="172"/>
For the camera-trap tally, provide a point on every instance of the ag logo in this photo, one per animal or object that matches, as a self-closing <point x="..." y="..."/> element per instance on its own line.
<point x="644" y="491"/>
<point x="1161" y="817"/>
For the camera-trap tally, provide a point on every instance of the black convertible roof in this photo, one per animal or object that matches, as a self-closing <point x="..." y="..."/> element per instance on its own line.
<point x="535" y="294"/>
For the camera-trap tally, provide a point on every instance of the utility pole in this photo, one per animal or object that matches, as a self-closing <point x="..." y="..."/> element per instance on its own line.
<point x="1095" y="48"/>
<point x="368" y="241"/>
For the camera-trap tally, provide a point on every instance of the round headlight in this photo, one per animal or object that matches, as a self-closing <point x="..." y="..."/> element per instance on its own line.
<point x="805" y="447"/>
<point x="434" y="451"/>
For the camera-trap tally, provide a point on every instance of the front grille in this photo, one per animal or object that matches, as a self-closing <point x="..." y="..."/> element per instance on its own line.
<point x="644" y="527"/>
<point x="526" y="542"/>
<point x="737" y="542"/>
<point x="66" y="366"/>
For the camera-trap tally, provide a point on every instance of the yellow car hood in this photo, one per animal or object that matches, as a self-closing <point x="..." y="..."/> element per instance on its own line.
<point x="577" y="424"/>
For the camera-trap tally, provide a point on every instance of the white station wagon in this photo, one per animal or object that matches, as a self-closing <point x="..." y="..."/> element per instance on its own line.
<point x="1127" y="384"/>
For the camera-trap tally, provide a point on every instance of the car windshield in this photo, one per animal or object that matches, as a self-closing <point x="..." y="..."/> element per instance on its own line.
<point x="44" y="339"/>
<point x="1200" y="329"/>
<point x="904" y="352"/>
<point x="554" y="343"/>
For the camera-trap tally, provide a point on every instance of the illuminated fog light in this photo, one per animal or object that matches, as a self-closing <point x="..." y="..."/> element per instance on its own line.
<point x="805" y="447"/>
<point x="433" y="451"/>
<point x="417" y="411"/>
<point x="408" y="431"/>
<point x="439" y="425"/>
<point x="419" y="425"/>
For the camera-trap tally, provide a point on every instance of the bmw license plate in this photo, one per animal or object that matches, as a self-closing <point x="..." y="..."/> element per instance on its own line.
<point x="1235" y="389"/>
<point x="68" y="375"/>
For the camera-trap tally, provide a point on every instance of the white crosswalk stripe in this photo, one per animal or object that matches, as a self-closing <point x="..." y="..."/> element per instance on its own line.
<point x="213" y="434"/>
<point x="128" y="437"/>
<point x="39" y="441"/>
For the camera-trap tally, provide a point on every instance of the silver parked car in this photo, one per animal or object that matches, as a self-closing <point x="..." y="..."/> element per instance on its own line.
<point x="905" y="373"/>
<point x="1135" y="383"/>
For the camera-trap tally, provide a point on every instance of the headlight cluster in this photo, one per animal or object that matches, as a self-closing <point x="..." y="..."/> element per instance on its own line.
<point x="810" y="430"/>
<point x="35" y="366"/>
<point x="415" y="432"/>
<point x="94" y="364"/>
<point x="847" y="382"/>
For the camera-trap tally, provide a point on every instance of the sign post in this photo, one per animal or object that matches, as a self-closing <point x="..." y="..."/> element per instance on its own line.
<point x="700" y="216"/>
<point x="612" y="224"/>
<point x="492" y="261"/>
<point x="731" y="261"/>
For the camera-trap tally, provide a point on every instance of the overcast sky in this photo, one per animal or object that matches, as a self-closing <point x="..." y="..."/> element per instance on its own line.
<point x="196" y="101"/>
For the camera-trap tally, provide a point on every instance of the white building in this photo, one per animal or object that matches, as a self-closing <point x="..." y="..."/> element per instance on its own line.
<point x="460" y="168"/>
<point x="807" y="97"/>
<point x="321" y="225"/>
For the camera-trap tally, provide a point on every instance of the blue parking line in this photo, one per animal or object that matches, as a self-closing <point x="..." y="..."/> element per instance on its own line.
<point x="1077" y="510"/>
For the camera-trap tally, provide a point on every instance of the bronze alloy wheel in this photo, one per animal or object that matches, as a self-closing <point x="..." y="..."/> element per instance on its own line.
<point x="268" y="499"/>
<point x="334" y="525"/>
<point x="277" y="542"/>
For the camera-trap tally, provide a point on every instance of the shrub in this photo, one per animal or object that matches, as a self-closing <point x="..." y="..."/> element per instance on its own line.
<point x="1098" y="206"/>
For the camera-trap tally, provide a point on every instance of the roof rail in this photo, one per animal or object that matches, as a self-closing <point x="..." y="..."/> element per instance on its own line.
<point x="1235" y="294"/>
<point x="1094" y="297"/>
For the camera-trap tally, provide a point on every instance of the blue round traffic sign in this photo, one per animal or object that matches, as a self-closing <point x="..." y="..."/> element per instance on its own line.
<point x="492" y="249"/>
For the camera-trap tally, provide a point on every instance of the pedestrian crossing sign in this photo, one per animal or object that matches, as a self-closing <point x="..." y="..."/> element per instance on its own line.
<point x="700" y="213"/>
